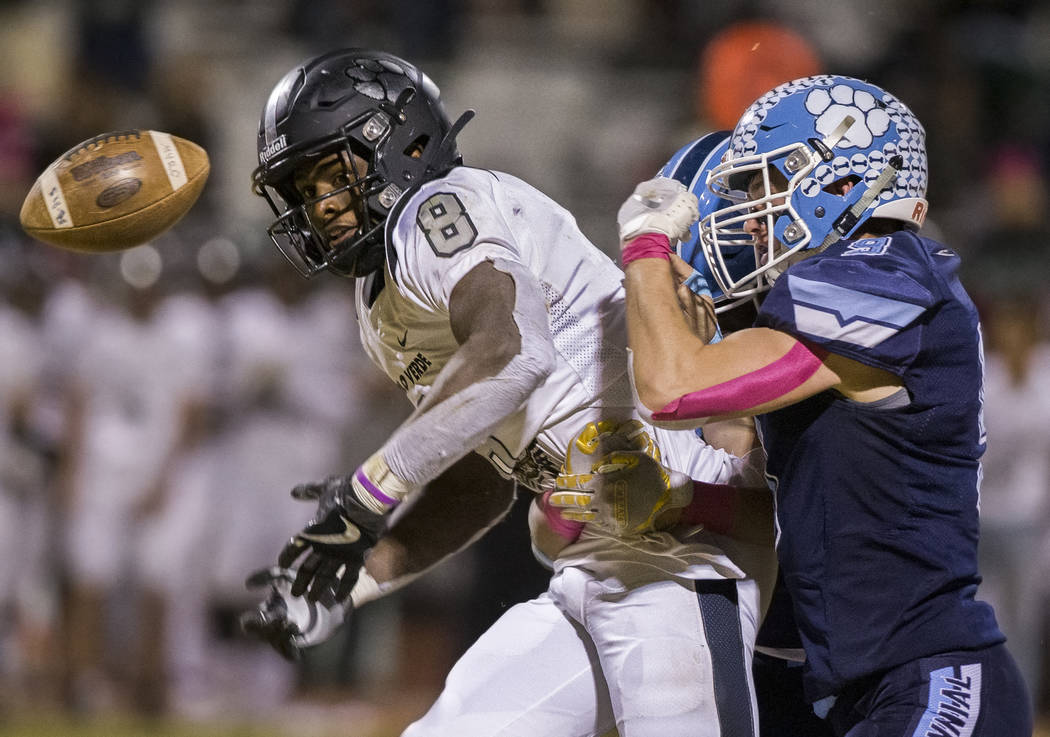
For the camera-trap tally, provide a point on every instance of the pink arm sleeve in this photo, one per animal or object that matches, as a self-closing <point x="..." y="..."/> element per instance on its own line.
<point x="774" y="380"/>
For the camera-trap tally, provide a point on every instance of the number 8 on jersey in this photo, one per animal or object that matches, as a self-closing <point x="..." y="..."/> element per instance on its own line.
<point x="446" y="224"/>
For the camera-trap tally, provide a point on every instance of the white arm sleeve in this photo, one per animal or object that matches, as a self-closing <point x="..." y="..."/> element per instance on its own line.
<point x="431" y="441"/>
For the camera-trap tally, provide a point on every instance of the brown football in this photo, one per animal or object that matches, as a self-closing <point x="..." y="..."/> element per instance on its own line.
<point x="115" y="191"/>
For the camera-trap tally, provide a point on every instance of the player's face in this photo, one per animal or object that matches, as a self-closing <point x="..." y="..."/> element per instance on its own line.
<point x="332" y="203"/>
<point x="758" y="226"/>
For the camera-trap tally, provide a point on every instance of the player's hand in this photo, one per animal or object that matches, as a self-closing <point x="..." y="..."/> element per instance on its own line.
<point x="613" y="479"/>
<point x="694" y="297"/>
<point x="625" y="492"/>
<point x="290" y="623"/>
<point x="335" y="541"/>
<point x="659" y="205"/>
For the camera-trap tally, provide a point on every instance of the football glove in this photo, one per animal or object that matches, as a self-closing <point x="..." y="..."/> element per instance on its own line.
<point x="336" y="540"/>
<point x="625" y="488"/>
<point x="290" y="623"/>
<point x="658" y="205"/>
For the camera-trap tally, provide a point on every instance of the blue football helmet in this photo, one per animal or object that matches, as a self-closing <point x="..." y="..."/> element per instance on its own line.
<point x="691" y="165"/>
<point x="811" y="133"/>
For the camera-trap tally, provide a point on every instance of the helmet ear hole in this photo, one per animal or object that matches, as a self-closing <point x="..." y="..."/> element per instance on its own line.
<point x="839" y="185"/>
<point x="416" y="148"/>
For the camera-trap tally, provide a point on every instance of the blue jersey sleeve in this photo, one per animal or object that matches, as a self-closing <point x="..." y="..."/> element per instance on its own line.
<point x="865" y="300"/>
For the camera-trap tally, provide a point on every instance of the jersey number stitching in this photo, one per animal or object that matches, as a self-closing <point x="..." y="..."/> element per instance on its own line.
<point x="446" y="224"/>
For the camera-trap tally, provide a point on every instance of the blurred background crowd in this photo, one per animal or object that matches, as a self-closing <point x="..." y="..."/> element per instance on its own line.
<point x="157" y="405"/>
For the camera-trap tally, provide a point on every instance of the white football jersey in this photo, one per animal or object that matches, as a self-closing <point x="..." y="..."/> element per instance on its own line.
<point x="136" y="376"/>
<point x="446" y="228"/>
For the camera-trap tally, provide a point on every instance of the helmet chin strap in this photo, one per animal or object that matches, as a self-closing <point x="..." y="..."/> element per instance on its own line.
<point x="397" y="110"/>
<point x="773" y="272"/>
<point x="848" y="220"/>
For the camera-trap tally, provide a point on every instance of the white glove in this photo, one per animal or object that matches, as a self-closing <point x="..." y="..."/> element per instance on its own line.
<point x="290" y="623"/>
<point x="625" y="488"/>
<point x="659" y="205"/>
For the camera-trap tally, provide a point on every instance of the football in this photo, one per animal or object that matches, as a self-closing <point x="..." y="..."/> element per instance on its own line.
<point x="115" y="191"/>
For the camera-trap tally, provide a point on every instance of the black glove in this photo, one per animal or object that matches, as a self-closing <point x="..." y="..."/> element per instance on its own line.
<point x="289" y="623"/>
<point x="338" y="538"/>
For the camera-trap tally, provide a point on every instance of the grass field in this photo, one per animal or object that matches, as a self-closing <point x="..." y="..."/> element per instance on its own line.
<point x="128" y="728"/>
<point x="333" y="714"/>
<point x="317" y="724"/>
<point x="125" y="727"/>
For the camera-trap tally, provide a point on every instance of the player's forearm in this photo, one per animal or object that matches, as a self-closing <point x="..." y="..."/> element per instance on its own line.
<point x="430" y="440"/>
<point x="549" y="531"/>
<point x="681" y="381"/>
<point x="506" y="353"/>
<point x="662" y="344"/>
<point x="477" y="360"/>
<point x="456" y="509"/>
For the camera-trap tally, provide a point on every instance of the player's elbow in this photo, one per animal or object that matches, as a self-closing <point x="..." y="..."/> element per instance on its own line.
<point x="652" y="392"/>
<point x="653" y="397"/>
<point x="654" y="386"/>
<point x="663" y="406"/>
<point x="524" y="363"/>
<point x="545" y="356"/>
<point x="537" y="361"/>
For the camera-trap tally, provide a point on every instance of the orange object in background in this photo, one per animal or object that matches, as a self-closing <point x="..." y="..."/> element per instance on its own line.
<point x="747" y="60"/>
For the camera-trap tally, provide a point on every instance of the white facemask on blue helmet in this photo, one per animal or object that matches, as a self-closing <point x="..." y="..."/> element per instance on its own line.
<point x="815" y="131"/>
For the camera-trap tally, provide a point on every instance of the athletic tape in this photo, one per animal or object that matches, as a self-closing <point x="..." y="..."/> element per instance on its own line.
<point x="169" y="157"/>
<point x="770" y="382"/>
<point x="369" y="487"/>
<point x="366" y="589"/>
<point x="55" y="199"/>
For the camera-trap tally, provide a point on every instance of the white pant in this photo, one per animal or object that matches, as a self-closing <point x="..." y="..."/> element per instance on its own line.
<point x="664" y="657"/>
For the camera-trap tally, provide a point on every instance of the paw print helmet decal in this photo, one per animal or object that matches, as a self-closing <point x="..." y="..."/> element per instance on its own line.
<point x="787" y="150"/>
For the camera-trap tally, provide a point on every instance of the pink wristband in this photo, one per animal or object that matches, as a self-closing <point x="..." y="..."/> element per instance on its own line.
<point x="713" y="506"/>
<point x="567" y="530"/>
<point x="647" y="245"/>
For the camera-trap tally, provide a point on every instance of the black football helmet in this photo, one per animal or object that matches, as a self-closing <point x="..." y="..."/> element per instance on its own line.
<point x="355" y="102"/>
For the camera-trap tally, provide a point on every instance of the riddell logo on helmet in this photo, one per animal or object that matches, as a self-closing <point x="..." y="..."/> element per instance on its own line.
<point x="273" y="148"/>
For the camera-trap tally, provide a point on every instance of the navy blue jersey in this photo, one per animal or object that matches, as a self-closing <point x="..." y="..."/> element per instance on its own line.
<point x="877" y="504"/>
